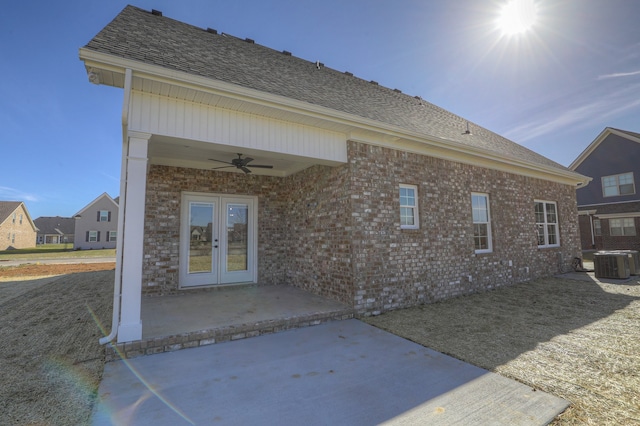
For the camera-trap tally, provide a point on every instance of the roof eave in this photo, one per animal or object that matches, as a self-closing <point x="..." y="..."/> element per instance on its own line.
<point x="97" y="61"/>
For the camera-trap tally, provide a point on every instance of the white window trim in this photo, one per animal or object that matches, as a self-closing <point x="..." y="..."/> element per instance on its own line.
<point x="488" y="223"/>
<point x="557" y="223"/>
<point x="416" y="215"/>
<point x="106" y="216"/>
<point x="115" y="236"/>
<point x="622" y="227"/>
<point x="618" y="194"/>
<point x="96" y="237"/>
<point x="597" y="227"/>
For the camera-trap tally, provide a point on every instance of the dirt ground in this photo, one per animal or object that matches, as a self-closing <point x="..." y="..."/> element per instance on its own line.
<point x="30" y="270"/>
<point x="51" y="360"/>
<point x="579" y="340"/>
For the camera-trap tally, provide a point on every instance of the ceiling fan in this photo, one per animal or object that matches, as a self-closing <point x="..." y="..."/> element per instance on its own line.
<point x="240" y="163"/>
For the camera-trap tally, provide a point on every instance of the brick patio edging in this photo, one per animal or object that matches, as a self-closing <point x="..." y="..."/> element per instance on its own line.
<point x="218" y="335"/>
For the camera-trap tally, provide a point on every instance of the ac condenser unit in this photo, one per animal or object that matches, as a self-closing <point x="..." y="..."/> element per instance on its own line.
<point x="634" y="260"/>
<point x="611" y="265"/>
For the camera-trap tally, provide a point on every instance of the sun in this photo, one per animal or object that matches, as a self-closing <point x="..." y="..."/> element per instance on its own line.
<point x="517" y="17"/>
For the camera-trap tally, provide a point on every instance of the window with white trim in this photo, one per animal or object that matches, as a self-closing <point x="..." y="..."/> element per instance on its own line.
<point x="618" y="185"/>
<point x="547" y="223"/>
<point x="104" y="216"/>
<point x="92" y="236"/>
<point x="112" y="236"/>
<point x="409" y="207"/>
<point x="622" y="227"/>
<point x="481" y="223"/>
<point x="597" y="228"/>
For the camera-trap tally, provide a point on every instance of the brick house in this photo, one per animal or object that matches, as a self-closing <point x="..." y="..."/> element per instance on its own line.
<point x="17" y="230"/>
<point x="96" y="224"/>
<point x="609" y="207"/>
<point x="359" y="193"/>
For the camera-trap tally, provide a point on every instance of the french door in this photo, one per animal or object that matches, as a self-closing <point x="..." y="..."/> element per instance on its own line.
<point x="217" y="240"/>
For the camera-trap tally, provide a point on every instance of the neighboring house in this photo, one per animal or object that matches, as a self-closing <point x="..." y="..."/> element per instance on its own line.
<point x="55" y="230"/>
<point x="366" y="195"/>
<point x="96" y="225"/>
<point x="17" y="230"/>
<point x="609" y="207"/>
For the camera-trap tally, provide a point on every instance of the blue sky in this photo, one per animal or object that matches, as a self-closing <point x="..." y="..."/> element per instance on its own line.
<point x="553" y="88"/>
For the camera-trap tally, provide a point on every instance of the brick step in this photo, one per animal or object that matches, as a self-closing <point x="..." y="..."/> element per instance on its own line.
<point x="222" y="334"/>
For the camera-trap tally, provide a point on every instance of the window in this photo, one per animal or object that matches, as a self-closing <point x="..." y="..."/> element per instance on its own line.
<point x="597" y="228"/>
<point x="13" y="238"/>
<point x="14" y="218"/>
<point x="409" y="207"/>
<point x="20" y="219"/>
<point x="112" y="236"/>
<point x="623" y="227"/>
<point x="104" y="216"/>
<point x="547" y="224"/>
<point x="618" y="185"/>
<point x="481" y="223"/>
<point x="93" y="236"/>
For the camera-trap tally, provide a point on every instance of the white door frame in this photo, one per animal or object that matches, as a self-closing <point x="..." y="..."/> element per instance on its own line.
<point x="219" y="274"/>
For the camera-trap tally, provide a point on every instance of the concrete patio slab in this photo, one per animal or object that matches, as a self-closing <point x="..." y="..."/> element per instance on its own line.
<point x="338" y="373"/>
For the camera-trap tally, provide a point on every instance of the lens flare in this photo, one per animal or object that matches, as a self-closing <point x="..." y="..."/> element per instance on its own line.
<point x="124" y="416"/>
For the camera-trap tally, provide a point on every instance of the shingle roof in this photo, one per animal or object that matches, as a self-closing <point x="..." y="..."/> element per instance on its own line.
<point x="136" y="34"/>
<point x="8" y="207"/>
<point x="55" y="225"/>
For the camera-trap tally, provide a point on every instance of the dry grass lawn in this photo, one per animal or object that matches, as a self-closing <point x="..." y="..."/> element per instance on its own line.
<point x="579" y="340"/>
<point x="50" y="357"/>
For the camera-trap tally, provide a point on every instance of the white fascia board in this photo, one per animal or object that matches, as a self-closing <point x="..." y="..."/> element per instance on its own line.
<point x="586" y="212"/>
<point x="617" y="215"/>
<point x="161" y="74"/>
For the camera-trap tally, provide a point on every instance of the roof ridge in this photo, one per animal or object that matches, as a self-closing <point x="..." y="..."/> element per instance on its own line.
<point x="138" y="35"/>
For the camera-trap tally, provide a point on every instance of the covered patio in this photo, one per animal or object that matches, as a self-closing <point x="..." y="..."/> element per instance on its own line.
<point x="205" y="317"/>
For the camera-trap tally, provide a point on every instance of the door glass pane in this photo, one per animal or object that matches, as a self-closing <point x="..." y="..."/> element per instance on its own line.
<point x="200" y="228"/>
<point x="237" y="238"/>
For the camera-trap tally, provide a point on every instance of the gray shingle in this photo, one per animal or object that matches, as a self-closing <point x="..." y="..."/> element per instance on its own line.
<point x="138" y="35"/>
<point x="8" y="207"/>
<point x="55" y="225"/>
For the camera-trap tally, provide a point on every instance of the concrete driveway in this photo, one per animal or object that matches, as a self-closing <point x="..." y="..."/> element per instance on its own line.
<point x="337" y="373"/>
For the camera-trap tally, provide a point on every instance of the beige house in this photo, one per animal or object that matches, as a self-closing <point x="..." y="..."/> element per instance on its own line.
<point x="17" y="230"/>
<point x="246" y="165"/>
<point x="96" y="225"/>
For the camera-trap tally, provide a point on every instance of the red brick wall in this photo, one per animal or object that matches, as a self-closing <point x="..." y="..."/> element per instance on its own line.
<point x="609" y="242"/>
<point x="336" y="231"/>
<point x="396" y="268"/>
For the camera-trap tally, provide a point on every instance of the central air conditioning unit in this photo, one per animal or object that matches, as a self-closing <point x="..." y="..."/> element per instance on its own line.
<point x="611" y="265"/>
<point x="634" y="260"/>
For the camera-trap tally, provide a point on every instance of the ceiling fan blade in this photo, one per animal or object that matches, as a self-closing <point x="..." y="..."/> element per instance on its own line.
<point x="262" y="166"/>
<point x="244" y="169"/>
<point x="219" y="161"/>
<point x="223" y="167"/>
<point x="246" y="160"/>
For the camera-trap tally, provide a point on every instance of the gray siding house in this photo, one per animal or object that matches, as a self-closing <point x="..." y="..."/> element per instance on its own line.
<point x="96" y="225"/>
<point x="293" y="173"/>
<point x="609" y="206"/>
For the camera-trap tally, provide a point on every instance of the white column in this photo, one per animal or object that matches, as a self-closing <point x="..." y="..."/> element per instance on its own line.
<point x="130" y="327"/>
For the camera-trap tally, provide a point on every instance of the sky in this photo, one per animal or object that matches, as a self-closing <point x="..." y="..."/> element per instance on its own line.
<point x="552" y="88"/>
